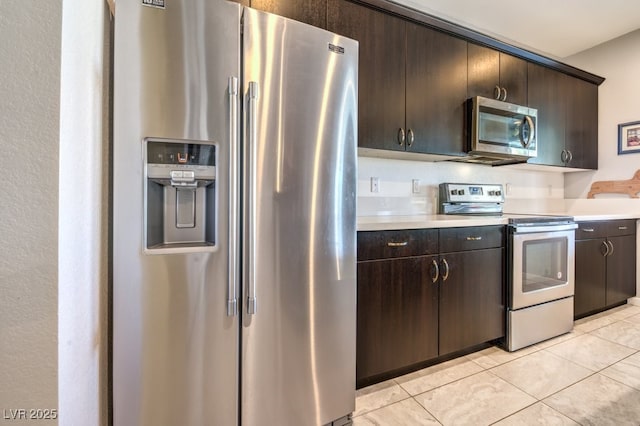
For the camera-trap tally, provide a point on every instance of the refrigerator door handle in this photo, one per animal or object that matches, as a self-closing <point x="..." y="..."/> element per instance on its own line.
<point x="252" y="217"/>
<point x="232" y="301"/>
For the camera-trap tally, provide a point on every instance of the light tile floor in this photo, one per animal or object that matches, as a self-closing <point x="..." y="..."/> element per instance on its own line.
<point x="590" y="376"/>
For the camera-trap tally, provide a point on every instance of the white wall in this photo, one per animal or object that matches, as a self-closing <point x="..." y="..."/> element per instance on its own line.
<point x="395" y="196"/>
<point x="29" y="114"/>
<point x="618" y="62"/>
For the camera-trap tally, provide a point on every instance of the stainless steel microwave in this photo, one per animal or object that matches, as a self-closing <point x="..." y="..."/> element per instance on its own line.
<point x="501" y="129"/>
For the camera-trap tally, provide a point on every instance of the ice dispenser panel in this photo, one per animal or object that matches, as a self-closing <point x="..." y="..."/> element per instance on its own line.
<point x="180" y="191"/>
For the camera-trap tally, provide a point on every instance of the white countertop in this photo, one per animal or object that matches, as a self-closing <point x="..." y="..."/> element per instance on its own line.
<point x="383" y="223"/>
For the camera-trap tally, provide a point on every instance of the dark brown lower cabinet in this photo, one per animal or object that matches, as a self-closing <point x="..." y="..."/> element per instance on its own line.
<point x="621" y="271"/>
<point x="605" y="265"/>
<point x="590" y="277"/>
<point x="397" y="315"/>
<point x="472" y="309"/>
<point x="415" y="304"/>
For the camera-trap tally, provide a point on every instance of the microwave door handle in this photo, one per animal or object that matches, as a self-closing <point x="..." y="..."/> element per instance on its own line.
<point x="532" y="132"/>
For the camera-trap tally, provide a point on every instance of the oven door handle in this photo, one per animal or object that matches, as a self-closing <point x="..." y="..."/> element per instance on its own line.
<point x="544" y="228"/>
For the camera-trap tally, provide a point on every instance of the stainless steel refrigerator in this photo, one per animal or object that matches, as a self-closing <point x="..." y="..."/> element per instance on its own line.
<point x="234" y="186"/>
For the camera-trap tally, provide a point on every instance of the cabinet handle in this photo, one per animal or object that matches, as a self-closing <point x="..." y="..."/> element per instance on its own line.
<point x="446" y="270"/>
<point x="566" y="156"/>
<point x="611" y="246"/>
<point x="400" y="136"/>
<point x="606" y="248"/>
<point x="622" y="228"/>
<point x="496" y="92"/>
<point x="397" y="244"/>
<point x="588" y="229"/>
<point x="411" y="137"/>
<point x="474" y="238"/>
<point x="504" y="94"/>
<point x="435" y="276"/>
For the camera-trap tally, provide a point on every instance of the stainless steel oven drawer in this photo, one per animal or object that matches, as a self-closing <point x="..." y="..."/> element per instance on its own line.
<point x="534" y="324"/>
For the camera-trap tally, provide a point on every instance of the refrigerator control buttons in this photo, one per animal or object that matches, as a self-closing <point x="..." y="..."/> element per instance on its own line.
<point x="182" y="178"/>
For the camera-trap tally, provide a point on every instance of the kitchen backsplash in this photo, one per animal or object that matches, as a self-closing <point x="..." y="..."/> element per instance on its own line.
<point x="394" y="181"/>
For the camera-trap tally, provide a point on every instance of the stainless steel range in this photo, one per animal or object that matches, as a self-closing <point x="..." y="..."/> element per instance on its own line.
<point x="540" y="263"/>
<point x="541" y="271"/>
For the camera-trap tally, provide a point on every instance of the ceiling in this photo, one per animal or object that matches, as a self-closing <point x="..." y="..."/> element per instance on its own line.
<point x="555" y="28"/>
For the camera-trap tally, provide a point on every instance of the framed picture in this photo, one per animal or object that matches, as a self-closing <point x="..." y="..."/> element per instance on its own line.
<point x="629" y="138"/>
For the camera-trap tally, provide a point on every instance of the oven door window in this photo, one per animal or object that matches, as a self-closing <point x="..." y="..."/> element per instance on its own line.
<point x="544" y="264"/>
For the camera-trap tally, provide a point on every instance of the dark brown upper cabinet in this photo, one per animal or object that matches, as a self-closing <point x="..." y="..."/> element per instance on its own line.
<point x="381" y="73"/>
<point x="412" y="81"/>
<point x="496" y="75"/>
<point x="312" y="12"/>
<point x="436" y="89"/>
<point x="567" y="118"/>
<point x="581" y="129"/>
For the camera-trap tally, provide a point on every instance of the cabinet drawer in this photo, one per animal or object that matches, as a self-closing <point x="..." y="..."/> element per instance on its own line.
<point x="593" y="229"/>
<point x="605" y="228"/>
<point x="391" y="244"/>
<point x="621" y="227"/>
<point x="471" y="238"/>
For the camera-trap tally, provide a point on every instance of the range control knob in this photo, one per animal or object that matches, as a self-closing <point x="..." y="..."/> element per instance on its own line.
<point x="492" y="192"/>
<point x="461" y="192"/>
<point x="498" y="193"/>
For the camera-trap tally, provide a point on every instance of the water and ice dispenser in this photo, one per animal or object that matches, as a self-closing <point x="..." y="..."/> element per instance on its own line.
<point x="180" y="185"/>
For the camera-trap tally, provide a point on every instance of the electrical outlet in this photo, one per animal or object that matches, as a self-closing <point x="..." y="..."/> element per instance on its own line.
<point x="508" y="189"/>
<point x="415" y="186"/>
<point x="375" y="184"/>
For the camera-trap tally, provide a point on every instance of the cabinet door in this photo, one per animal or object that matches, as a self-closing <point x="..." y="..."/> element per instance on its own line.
<point x="621" y="269"/>
<point x="312" y="12"/>
<point x="436" y="90"/>
<point x="381" y="75"/>
<point x="590" y="276"/>
<point x="397" y="319"/>
<point x="546" y="94"/>
<point x="513" y="77"/>
<point x="484" y="71"/>
<point x="581" y="134"/>
<point x="472" y="309"/>
<point x="490" y="71"/>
